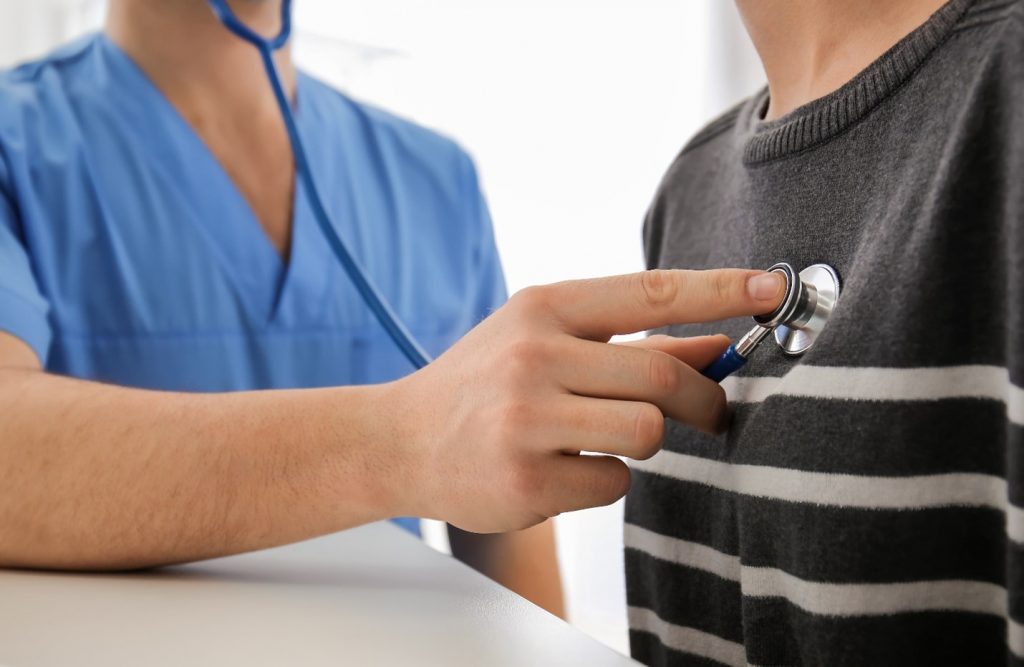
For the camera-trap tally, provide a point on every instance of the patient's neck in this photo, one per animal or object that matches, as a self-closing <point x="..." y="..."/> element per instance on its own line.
<point x="184" y="49"/>
<point x="810" y="48"/>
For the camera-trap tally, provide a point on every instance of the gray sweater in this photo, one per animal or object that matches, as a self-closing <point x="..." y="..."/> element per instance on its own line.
<point x="867" y="506"/>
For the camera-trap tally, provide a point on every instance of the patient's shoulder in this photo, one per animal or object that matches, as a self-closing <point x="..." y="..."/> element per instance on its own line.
<point x="995" y="28"/>
<point x="718" y="139"/>
<point x="718" y="126"/>
<point x="717" y="143"/>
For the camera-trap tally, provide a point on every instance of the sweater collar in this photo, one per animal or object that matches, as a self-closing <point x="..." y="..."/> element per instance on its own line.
<point x="817" y="122"/>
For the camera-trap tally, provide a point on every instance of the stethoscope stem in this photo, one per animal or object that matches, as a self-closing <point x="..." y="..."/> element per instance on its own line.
<point x="735" y="357"/>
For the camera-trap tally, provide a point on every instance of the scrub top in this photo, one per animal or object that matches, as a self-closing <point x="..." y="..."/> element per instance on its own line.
<point x="127" y="255"/>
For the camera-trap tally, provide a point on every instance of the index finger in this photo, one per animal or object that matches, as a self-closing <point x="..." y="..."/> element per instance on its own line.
<point x="604" y="307"/>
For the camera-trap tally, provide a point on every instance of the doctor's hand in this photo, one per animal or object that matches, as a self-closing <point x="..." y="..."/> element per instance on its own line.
<point x="493" y="429"/>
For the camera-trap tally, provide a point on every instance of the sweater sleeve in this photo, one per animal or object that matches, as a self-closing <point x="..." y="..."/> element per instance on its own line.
<point x="1010" y="180"/>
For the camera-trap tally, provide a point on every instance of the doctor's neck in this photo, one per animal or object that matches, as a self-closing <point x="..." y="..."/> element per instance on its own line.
<point x="810" y="48"/>
<point x="190" y="55"/>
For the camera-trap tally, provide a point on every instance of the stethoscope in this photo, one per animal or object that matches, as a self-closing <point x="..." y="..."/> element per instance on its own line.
<point x="810" y="298"/>
<point x="810" y="295"/>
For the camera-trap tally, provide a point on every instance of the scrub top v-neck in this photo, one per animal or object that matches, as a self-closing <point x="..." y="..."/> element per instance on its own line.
<point x="128" y="255"/>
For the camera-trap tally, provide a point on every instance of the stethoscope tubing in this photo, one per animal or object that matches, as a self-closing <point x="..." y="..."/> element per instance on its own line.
<point x="728" y="363"/>
<point x="369" y="292"/>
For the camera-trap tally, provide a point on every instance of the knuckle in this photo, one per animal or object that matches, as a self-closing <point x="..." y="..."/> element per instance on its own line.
<point x="723" y="287"/>
<point x="663" y="373"/>
<point x="526" y="355"/>
<point x="517" y="416"/>
<point x="658" y="288"/>
<point x="526" y="485"/>
<point x="534" y="299"/>
<point x="648" y="431"/>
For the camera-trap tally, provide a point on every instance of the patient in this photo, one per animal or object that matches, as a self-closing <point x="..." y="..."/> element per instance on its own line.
<point x="867" y="509"/>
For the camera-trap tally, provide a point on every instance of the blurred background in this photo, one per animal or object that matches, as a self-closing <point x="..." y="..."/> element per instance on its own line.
<point x="572" y="109"/>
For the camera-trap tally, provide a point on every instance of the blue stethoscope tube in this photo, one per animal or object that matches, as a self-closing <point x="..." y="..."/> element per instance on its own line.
<point x="735" y="357"/>
<point x="375" y="301"/>
<point x="727" y="364"/>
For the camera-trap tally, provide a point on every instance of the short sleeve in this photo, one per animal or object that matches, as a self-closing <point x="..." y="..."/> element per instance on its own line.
<point x="23" y="309"/>
<point x="489" y="291"/>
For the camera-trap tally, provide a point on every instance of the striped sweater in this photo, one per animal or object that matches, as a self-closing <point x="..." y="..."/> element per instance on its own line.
<point x="867" y="506"/>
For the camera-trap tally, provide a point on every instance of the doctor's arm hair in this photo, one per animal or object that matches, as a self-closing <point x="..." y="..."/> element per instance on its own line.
<point x="100" y="477"/>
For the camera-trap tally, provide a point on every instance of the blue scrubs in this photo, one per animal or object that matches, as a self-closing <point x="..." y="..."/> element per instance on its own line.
<point x="127" y="255"/>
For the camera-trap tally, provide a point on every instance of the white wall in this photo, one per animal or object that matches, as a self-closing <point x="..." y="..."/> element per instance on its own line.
<point x="572" y="109"/>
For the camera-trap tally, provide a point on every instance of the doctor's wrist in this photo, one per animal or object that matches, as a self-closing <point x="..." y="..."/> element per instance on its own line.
<point x="408" y="456"/>
<point x="361" y="475"/>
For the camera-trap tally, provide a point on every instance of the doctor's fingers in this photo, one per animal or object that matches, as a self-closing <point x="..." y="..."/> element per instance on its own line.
<point x="570" y="423"/>
<point x="570" y="482"/>
<point x="599" y="308"/>
<point x="632" y="373"/>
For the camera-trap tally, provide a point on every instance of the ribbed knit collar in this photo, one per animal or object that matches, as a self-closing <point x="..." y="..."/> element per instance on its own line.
<point x="819" y="121"/>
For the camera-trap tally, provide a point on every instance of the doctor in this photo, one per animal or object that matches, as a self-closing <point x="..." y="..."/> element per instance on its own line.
<point x="185" y="373"/>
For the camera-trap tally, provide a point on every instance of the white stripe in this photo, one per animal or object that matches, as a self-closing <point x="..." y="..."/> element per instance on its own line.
<point x="874" y="599"/>
<point x="682" y="552"/>
<point x="687" y="640"/>
<point x="826" y="599"/>
<point x="1014" y="523"/>
<point x="885" y="384"/>
<point x="841" y="490"/>
<point x="1015" y="639"/>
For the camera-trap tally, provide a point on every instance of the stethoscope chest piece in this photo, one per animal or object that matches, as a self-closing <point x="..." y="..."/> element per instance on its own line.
<point x="810" y="298"/>
<point x="819" y="285"/>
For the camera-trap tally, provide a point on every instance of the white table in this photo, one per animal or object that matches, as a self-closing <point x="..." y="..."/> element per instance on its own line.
<point x="369" y="596"/>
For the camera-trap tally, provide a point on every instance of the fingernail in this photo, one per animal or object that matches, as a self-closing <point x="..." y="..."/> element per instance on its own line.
<point x="766" y="286"/>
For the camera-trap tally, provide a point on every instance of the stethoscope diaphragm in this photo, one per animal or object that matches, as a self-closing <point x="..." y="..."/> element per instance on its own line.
<point x="810" y="298"/>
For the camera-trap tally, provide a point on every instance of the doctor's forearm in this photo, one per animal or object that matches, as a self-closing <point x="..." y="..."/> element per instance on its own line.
<point x="95" y="476"/>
